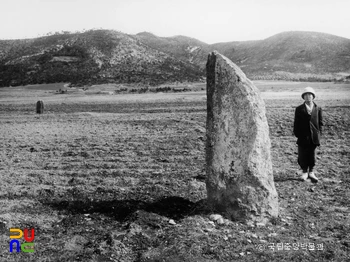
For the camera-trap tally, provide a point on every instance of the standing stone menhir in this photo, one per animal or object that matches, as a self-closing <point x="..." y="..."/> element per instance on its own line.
<point x="238" y="159"/>
<point x="39" y="107"/>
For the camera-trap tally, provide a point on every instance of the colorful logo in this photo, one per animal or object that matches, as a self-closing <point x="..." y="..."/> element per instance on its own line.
<point x="28" y="246"/>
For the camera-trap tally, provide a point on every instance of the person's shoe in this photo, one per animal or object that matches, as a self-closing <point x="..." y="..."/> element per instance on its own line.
<point x="313" y="177"/>
<point x="303" y="176"/>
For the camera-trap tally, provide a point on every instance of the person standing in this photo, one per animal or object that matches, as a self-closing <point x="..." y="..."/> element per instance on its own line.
<point x="307" y="128"/>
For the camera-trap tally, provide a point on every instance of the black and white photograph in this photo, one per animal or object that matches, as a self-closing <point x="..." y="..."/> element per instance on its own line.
<point x="174" y="131"/>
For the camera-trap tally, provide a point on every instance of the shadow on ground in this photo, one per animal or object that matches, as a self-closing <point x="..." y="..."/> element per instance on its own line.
<point x="172" y="207"/>
<point x="284" y="179"/>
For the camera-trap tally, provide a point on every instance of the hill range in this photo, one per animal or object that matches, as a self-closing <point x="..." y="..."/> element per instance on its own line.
<point x="108" y="56"/>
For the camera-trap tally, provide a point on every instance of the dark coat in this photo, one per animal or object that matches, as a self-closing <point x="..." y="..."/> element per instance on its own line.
<point x="308" y="128"/>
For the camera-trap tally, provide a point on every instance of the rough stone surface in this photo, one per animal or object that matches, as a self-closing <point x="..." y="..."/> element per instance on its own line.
<point x="238" y="160"/>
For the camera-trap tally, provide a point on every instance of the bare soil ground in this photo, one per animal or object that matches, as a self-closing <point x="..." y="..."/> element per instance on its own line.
<point x="122" y="178"/>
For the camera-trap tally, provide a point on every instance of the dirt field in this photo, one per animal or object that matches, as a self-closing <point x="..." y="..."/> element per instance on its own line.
<point x="122" y="178"/>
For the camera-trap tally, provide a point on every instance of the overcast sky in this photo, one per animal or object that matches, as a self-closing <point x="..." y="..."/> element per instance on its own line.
<point x="210" y="21"/>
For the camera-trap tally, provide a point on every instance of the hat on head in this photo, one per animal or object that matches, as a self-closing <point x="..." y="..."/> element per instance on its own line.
<point x="308" y="90"/>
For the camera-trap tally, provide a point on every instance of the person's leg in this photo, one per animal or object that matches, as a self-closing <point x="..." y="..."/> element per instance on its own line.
<point x="303" y="158"/>
<point x="303" y="162"/>
<point x="311" y="158"/>
<point x="312" y="162"/>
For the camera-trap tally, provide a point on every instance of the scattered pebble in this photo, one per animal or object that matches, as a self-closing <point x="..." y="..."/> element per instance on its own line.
<point x="220" y="221"/>
<point x="215" y="217"/>
<point x="311" y="189"/>
<point x="227" y="222"/>
<point x="250" y="224"/>
<point x="211" y="223"/>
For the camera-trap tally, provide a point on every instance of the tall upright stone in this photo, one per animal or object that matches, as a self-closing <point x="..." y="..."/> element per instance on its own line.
<point x="39" y="107"/>
<point x="238" y="159"/>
